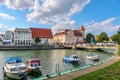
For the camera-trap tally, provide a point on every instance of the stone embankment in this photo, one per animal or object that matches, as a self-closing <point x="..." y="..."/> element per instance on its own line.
<point x="24" y="47"/>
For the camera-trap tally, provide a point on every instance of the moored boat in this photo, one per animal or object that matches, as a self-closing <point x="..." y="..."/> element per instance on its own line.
<point x="92" y="57"/>
<point x="14" y="68"/>
<point x="71" y="58"/>
<point x="33" y="66"/>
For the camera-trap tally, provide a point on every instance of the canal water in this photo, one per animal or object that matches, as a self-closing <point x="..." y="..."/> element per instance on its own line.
<point x="51" y="58"/>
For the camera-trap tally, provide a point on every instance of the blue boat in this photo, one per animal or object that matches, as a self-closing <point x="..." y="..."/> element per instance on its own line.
<point x="15" y="68"/>
<point x="71" y="58"/>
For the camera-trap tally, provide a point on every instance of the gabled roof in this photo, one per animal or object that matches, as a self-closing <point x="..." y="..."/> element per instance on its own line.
<point x="64" y="32"/>
<point x="42" y="33"/>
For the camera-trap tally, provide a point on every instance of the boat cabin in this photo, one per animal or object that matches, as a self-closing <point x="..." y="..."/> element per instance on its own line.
<point x="13" y="60"/>
<point x="33" y="62"/>
<point x="74" y="56"/>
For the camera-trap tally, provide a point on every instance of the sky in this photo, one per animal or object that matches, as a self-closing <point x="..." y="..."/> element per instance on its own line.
<point x="95" y="15"/>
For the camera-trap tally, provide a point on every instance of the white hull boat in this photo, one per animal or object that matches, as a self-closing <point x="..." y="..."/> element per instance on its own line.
<point x="14" y="68"/>
<point x="92" y="57"/>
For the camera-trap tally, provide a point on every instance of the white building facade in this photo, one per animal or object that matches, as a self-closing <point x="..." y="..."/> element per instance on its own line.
<point x="9" y="35"/>
<point x="8" y="38"/>
<point x="22" y="37"/>
<point x="1" y="39"/>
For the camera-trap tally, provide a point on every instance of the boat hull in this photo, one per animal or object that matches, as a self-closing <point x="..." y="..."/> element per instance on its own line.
<point x="16" y="75"/>
<point x="71" y="61"/>
<point x="92" y="58"/>
<point x="34" y="72"/>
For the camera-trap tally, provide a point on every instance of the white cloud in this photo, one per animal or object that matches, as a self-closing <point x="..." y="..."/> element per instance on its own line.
<point x="1" y="26"/>
<point x="4" y="28"/>
<point x="105" y="26"/>
<point x="63" y="25"/>
<point x="2" y="1"/>
<point x="56" y="12"/>
<point x="17" y="4"/>
<point x="53" y="11"/>
<point x="6" y="16"/>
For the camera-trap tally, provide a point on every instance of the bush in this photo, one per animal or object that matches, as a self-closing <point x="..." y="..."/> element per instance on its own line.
<point x="118" y="49"/>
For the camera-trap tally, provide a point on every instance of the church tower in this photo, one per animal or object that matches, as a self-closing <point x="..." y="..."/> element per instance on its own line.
<point x="82" y="30"/>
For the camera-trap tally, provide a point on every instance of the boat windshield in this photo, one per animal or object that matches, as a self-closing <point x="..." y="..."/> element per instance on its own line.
<point x="35" y="64"/>
<point x="73" y="56"/>
<point x="11" y="62"/>
<point x="18" y="61"/>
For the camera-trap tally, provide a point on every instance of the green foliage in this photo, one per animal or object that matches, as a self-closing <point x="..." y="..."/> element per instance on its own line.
<point x="104" y="41"/>
<point x="118" y="50"/>
<point x="111" y="72"/>
<point x="37" y="40"/>
<point x="96" y="39"/>
<point x="88" y="37"/>
<point x="116" y="37"/>
<point x="103" y="37"/>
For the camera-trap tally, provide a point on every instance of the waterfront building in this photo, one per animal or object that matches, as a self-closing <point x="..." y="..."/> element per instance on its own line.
<point x="82" y="30"/>
<point x="68" y="36"/>
<point x="45" y="35"/>
<point x="8" y="38"/>
<point x="23" y="36"/>
<point x="1" y="39"/>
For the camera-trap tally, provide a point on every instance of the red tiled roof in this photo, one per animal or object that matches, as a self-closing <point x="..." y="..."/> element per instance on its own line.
<point x="77" y="33"/>
<point x="42" y="33"/>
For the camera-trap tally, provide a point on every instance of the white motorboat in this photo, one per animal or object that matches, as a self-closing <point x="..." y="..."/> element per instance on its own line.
<point x="92" y="57"/>
<point x="14" y="68"/>
<point x="71" y="58"/>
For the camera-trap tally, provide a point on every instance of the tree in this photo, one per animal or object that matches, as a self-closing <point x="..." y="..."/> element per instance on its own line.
<point x="37" y="40"/>
<point x="116" y="37"/>
<point x="103" y="37"/>
<point x="96" y="38"/>
<point x="89" y="36"/>
<point x="118" y="31"/>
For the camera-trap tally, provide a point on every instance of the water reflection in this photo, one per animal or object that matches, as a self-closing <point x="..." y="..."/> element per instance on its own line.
<point x="49" y="59"/>
<point x="91" y="62"/>
<point x="7" y="78"/>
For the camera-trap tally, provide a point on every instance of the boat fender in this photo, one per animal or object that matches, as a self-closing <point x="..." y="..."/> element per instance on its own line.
<point x="4" y="73"/>
<point x="47" y="75"/>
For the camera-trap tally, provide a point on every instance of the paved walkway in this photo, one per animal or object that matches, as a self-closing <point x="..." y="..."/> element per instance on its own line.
<point x="72" y="75"/>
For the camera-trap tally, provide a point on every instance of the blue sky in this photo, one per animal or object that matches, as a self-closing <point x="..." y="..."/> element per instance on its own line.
<point x="95" y="15"/>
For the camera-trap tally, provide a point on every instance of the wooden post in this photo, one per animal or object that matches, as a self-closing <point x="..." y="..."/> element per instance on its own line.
<point x="57" y="69"/>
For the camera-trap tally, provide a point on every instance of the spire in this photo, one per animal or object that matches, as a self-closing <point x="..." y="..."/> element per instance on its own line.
<point x="81" y="28"/>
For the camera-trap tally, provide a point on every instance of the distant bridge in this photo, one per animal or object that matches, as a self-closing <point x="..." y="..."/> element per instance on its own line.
<point x="94" y="47"/>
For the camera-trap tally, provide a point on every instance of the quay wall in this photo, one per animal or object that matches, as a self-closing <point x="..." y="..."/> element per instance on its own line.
<point x="24" y="47"/>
